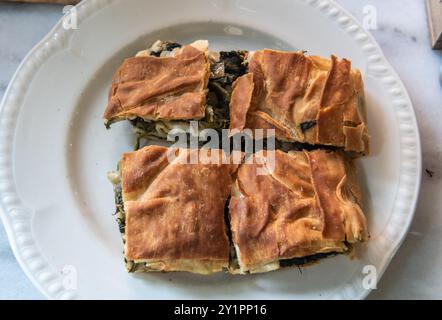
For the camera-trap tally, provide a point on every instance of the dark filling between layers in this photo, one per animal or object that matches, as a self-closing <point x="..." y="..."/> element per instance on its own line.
<point x="166" y="46"/>
<point x="305" y="260"/>
<point x="287" y="146"/>
<point x="307" y="125"/>
<point x="131" y="266"/>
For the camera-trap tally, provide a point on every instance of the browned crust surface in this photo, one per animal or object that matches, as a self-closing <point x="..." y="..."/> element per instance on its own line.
<point x="308" y="204"/>
<point x="284" y="90"/>
<point x="166" y="88"/>
<point x="175" y="211"/>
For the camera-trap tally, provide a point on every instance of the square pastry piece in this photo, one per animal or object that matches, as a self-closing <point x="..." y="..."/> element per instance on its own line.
<point x="294" y="209"/>
<point x="174" y="210"/>
<point x="167" y="82"/>
<point x="168" y="85"/>
<point x="306" y="99"/>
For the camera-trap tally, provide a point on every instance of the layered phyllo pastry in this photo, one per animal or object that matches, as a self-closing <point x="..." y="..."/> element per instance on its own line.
<point x="285" y="209"/>
<point x="293" y="209"/>
<point x="169" y="85"/>
<point x="208" y="210"/>
<point x="305" y="99"/>
<point x="171" y="211"/>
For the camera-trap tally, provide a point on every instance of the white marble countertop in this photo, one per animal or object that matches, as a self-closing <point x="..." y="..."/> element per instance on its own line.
<point x="402" y="32"/>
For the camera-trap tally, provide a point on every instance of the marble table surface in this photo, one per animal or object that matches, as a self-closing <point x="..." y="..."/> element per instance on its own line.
<point x="402" y="32"/>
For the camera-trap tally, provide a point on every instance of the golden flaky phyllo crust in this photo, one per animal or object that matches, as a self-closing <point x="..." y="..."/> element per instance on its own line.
<point x="175" y="211"/>
<point x="305" y="99"/>
<point x="308" y="203"/>
<point x="154" y="88"/>
<point x="293" y="205"/>
<point x="291" y="209"/>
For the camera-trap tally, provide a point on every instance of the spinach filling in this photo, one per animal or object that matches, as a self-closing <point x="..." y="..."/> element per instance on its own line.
<point x="287" y="146"/>
<point x="307" y="125"/>
<point x="233" y="258"/>
<point x="305" y="260"/>
<point x="120" y="214"/>
<point x="165" y="46"/>
<point x="119" y="209"/>
<point x="224" y="72"/>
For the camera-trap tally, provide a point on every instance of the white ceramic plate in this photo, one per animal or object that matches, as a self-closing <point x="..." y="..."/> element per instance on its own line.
<point x="57" y="204"/>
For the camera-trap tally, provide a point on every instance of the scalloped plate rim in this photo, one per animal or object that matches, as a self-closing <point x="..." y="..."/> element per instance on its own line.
<point x="58" y="29"/>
